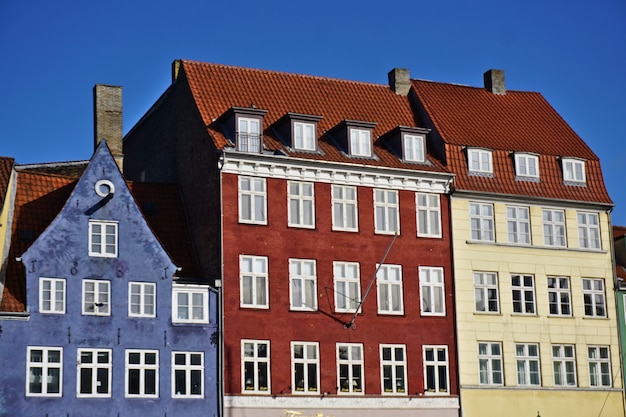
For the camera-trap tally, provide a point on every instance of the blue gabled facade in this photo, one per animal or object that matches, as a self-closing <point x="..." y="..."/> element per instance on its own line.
<point x="110" y="328"/>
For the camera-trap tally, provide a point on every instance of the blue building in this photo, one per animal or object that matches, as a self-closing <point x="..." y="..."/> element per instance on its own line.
<point x="97" y="317"/>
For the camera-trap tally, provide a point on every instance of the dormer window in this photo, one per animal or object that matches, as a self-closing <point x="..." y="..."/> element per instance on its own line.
<point x="573" y="170"/>
<point x="526" y="165"/>
<point x="243" y="126"/>
<point x="407" y="143"/>
<point x="248" y="134"/>
<point x="360" y="142"/>
<point x="413" y="147"/>
<point x="479" y="161"/>
<point x="298" y="131"/>
<point x="304" y="136"/>
<point x="354" y="138"/>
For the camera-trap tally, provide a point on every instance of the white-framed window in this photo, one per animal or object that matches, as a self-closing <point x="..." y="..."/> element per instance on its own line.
<point x="413" y="148"/>
<point x="588" y="230"/>
<point x="490" y="363"/>
<point x="386" y="207"/>
<point x="432" y="293"/>
<point x="518" y="225"/>
<point x="389" y="285"/>
<point x="142" y="373"/>
<point x="428" y="215"/>
<point x="141" y="299"/>
<point x="559" y="296"/>
<point x="523" y="291"/>
<point x="94" y="373"/>
<point x="479" y="161"/>
<point x="526" y="165"/>
<point x="486" y="296"/>
<point x="52" y="295"/>
<point x="564" y="365"/>
<point x="573" y="170"/>
<point x="254" y="281"/>
<point x="350" y="375"/>
<point x="249" y="134"/>
<point x="103" y="238"/>
<point x="44" y="371"/>
<point x="527" y="363"/>
<point x="255" y="366"/>
<point x="481" y="222"/>
<point x="594" y="300"/>
<point x="393" y="369"/>
<point x="360" y="142"/>
<point x="304" y="136"/>
<point x="305" y="362"/>
<point x="554" y="228"/>
<point x="96" y="297"/>
<point x="190" y="304"/>
<point x="303" y="284"/>
<point x="436" y="371"/>
<point x="347" y="286"/>
<point x="187" y="374"/>
<point x="301" y="204"/>
<point x="252" y="200"/>
<point x="599" y="366"/>
<point x="345" y="213"/>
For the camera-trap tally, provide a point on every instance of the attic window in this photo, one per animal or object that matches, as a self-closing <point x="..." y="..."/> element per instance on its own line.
<point x="413" y="147"/>
<point x="526" y="165"/>
<point x="573" y="170"/>
<point x="304" y="136"/>
<point x="249" y="134"/>
<point x="479" y="161"/>
<point x="360" y="142"/>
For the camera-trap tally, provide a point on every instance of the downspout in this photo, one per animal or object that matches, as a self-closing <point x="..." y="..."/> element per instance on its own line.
<point x="221" y="410"/>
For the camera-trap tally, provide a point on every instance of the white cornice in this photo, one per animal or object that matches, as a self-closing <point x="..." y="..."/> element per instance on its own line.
<point x="339" y="402"/>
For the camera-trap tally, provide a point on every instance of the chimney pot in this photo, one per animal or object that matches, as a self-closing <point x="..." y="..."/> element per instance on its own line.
<point x="399" y="81"/>
<point x="494" y="81"/>
<point x="107" y="107"/>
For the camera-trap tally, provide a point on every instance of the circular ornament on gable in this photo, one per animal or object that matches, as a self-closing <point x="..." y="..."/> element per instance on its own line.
<point x="104" y="188"/>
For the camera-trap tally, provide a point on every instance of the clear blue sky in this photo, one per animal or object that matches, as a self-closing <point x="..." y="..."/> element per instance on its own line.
<point x="53" y="52"/>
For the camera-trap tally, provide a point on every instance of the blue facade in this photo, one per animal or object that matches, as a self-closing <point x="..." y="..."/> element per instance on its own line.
<point x="102" y="337"/>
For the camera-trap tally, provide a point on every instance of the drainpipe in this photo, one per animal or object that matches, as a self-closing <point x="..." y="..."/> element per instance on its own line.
<point x="222" y="413"/>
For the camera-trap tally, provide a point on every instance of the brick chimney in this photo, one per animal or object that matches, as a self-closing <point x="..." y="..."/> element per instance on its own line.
<point x="107" y="119"/>
<point x="399" y="81"/>
<point x="494" y="81"/>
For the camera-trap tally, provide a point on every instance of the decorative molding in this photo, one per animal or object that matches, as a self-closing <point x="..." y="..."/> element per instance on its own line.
<point x="337" y="401"/>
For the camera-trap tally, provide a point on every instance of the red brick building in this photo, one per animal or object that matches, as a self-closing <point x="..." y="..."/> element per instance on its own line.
<point x="316" y="204"/>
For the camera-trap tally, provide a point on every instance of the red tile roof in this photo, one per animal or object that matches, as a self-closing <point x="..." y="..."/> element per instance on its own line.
<point x="516" y="121"/>
<point x="6" y="165"/>
<point x="217" y="88"/>
<point x="619" y="231"/>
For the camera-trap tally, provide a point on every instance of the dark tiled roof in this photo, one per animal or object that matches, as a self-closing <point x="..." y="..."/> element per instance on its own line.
<point x="619" y="231"/>
<point x="72" y="169"/>
<point x="217" y="88"/>
<point x="6" y="165"/>
<point x="514" y="122"/>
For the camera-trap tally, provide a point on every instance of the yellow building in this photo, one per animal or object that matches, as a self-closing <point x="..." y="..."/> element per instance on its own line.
<point x="7" y="182"/>
<point x="535" y="304"/>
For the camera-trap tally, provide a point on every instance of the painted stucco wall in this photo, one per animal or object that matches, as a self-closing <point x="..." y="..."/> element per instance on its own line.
<point x="5" y="226"/>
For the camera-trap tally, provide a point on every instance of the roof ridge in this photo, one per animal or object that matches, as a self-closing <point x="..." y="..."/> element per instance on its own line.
<point x="47" y="174"/>
<point x="472" y="86"/>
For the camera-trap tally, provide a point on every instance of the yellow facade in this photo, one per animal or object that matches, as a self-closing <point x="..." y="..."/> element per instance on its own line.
<point x="5" y="225"/>
<point x="547" y="331"/>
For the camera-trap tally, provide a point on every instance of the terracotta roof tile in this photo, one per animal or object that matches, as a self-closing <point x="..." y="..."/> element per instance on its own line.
<point x="619" y="231"/>
<point x="6" y="166"/>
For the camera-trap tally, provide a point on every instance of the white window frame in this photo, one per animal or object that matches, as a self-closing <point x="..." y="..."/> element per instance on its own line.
<point x="347" y="281"/>
<point x="143" y="369"/>
<point x="252" y="354"/>
<point x="518" y="225"/>
<point x="486" y="292"/>
<point x="389" y="289"/>
<point x="564" y="365"/>
<point x="257" y="296"/>
<point x="393" y="368"/>
<point x="360" y="142"/>
<point x="343" y="205"/>
<point x="521" y="292"/>
<point x="526" y="165"/>
<point x="428" y="214"/>
<point x="490" y="364"/>
<point x="307" y="363"/>
<point x="528" y="358"/>
<point x="559" y="296"/>
<point x="190" y="304"/>
<point x="189" y="372"/>
<point x="554" y="230"/>
<point x="389" y="220"/>
<point x="95" y="366"/>
<point x="484" y="231"/>
<point x="304" y="135"/>
<point x="479" y="161"/>
<point x="247" y="132"/>
<point x="432" y="291"/>
<point x="99" y="244"/>
<point x="48" y="368"/>
<point x="599" y="358"/>
<point x="52" y="294"/>
<point x="433" y="383"/>
<point x="573" y="170"/>
<point x="140" y="298"/>
<point x="413" y="147"/>
<point x="256" y="192"/>
<point x="301" y="203"/>
<point x="594" y="298"/>
<point x="588" y="230"/>
<point x="302" y="284"/>
<point x="350" y="369"/>
<point x="101" y="304"/>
